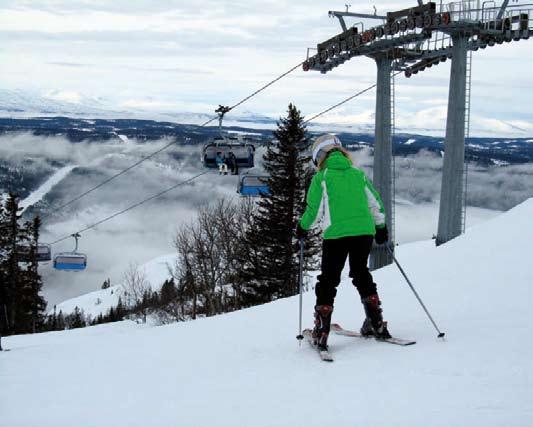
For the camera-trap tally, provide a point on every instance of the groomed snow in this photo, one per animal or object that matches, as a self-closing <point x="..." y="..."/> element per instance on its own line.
<point x="246" y="368"/>
<point x="43" y="190"/>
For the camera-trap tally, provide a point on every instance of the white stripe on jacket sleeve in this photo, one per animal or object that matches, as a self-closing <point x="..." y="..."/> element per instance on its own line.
<point x="373" y="205"/>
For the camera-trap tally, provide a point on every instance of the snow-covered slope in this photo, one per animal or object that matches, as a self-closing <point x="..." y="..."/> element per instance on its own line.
<point x="50" y="183"/>
<point x="414" y="222"/>
<point x="246" y="368"/>
<point x="98" y="302"/>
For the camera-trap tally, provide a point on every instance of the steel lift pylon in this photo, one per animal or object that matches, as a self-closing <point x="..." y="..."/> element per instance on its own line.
<point x="410" y="41"/>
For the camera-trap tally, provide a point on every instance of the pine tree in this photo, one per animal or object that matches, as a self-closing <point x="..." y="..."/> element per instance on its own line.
<point x="21" y="306"/>
<point x="169" y="292"/>
<point x="77" y="319"/>
<point x="30" y="306"/>
<point x="111" y="316"/>
<point x="11" y="267"/>
<point x="60" y="321"/>
<point x="51" y="321"/>
<point x="4" y="324"/>
<point x="272" y="237"/>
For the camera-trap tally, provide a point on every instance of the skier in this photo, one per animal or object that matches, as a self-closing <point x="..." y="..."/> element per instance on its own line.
<point x="221" y="163"/>
<point x="354" y="215"/>
<point x="233" y="163"/>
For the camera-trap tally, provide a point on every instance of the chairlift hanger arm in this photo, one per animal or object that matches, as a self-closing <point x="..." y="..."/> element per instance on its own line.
<point x="502" y="9"/>
<point x="221" y="111"/>
<point x="341" y="20"/>
<point x="76" y="237"/>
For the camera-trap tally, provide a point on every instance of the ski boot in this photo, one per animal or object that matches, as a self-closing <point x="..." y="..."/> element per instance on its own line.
<point x="322" y="326"/>
<point x="374" y="325"/>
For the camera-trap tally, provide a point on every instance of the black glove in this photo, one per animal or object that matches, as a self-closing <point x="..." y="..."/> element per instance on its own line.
<point x="301" y="234"/>
<point x="382" y="235"/>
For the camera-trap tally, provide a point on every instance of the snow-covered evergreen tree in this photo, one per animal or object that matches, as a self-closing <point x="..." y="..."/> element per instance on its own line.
<point x="288" y="164"/>
<point x="30" y="305"/>
<point x="21" y="306"/>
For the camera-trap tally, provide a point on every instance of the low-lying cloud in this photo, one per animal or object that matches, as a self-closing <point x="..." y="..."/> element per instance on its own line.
<point x="147" y="232"/>
<point x="419" y="180"/>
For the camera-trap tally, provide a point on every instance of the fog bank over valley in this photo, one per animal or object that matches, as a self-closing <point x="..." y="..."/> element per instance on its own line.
<point x="29" y="161"/>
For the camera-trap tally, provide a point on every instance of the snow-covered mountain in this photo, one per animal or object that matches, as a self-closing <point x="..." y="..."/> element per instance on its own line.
<point x="23" y="103"/>
<point x="37" y="195"/>
<point x="247" y="369"/>
<point x="155" y="272"/>
<point x="19" y="103"/>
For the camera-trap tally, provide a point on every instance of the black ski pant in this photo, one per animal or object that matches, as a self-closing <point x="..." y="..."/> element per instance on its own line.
<point x="334" y="254"/>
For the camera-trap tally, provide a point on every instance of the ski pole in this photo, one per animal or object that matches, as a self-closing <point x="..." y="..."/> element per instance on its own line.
<point x="300" y="337"/>
<point x="441" y="334"/>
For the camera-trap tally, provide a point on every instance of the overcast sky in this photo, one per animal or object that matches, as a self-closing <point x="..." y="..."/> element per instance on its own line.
<point x="183" y="56"/>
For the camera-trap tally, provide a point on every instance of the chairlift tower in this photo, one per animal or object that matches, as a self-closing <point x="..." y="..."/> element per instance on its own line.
<point x="410" y="41"/>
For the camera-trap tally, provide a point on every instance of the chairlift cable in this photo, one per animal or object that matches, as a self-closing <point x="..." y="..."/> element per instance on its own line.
<point x="122" y="172"/>
<point x="266" y="86"/>
<point x="111" y="178"/>
<point x="344" y="101"/>
<point x="142" y="202"/>
<point x="200" y="174"/>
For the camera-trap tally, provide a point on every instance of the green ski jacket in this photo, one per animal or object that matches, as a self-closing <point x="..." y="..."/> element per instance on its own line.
<point x="345" y="199"/>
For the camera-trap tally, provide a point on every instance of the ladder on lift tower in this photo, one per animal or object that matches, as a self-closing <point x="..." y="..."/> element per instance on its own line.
<point x="393" y="163"/>
<point x="468" y="96"/>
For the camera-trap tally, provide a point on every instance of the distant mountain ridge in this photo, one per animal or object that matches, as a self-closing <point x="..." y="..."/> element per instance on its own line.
<point x="27" y="104"/>
<point x="487" y="151"/>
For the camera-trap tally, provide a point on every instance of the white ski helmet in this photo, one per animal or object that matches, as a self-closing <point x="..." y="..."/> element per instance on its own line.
<point x="323" y="145"/>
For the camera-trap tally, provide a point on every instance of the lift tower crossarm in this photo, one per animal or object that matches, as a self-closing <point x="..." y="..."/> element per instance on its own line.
<point x="355" y="15"/>
<point x="430" y="7"/>
<point x="373" y="49"/>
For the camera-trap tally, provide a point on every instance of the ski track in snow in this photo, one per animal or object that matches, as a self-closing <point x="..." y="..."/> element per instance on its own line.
<point x="43" y="190"/>
<point x="247" y="369"/>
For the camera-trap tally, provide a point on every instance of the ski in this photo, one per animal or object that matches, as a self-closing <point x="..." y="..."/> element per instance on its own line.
<point x="324" y="355"/>
<point x="339" y="330"/>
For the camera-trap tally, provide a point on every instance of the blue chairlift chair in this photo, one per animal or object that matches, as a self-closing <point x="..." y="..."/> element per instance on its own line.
<point x="253" y="185"/>
<point x="71" y="261"/>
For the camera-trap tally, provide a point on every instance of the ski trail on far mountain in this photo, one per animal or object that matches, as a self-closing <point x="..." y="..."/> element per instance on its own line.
<point x="50" y="183"/>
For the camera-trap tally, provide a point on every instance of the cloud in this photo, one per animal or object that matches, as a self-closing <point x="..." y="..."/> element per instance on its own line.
<point x="65" y="96"/>
<point x="419" y="179"/>
<point x="174" y="54"/>
<point x="172" y="70"/>
<point x="147" y="232"/>
<point x="69" y="64"/>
